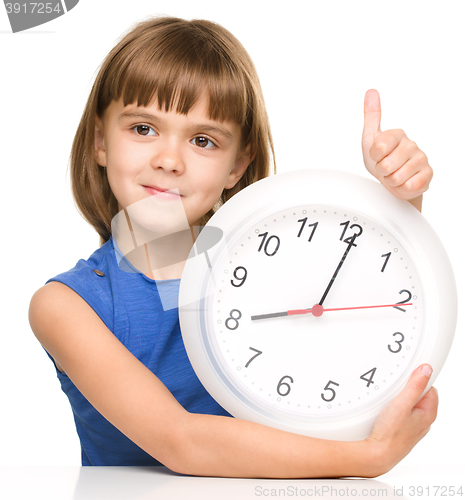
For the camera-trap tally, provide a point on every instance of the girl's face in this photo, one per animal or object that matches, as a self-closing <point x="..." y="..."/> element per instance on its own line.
<point x="176" y="160"/>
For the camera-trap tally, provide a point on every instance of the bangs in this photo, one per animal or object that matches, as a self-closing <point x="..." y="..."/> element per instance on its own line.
<point x="177" y="70"/>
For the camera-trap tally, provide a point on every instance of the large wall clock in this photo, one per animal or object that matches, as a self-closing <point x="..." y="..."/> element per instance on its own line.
<point x="321" y="297"/>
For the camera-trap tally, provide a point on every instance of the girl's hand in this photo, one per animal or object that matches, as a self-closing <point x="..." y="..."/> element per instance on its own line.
<point x="392" y="157"/>
<point x="405" y="421"/>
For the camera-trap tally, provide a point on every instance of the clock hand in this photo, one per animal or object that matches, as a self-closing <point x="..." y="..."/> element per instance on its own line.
<point x="271" y="315"/>
<point x="349" y="246"/>
<point x="317" y="311"/>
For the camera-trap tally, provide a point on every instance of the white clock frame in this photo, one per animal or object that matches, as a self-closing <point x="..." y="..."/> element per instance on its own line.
<point x="330" y="188"/>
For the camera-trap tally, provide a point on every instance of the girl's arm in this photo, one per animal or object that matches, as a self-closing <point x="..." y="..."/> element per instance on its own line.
<point x="133" y="399"/>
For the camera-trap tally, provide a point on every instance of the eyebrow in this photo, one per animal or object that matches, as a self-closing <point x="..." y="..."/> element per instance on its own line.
<point x="215" y="128"/>
<point x="137" y="114"/>
<point x="203" y="127"/>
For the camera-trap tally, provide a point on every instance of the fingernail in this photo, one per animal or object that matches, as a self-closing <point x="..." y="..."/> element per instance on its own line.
<point x="426" y="370"/>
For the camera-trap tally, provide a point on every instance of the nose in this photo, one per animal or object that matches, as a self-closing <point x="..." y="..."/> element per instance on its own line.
<point x="168" y="156"/>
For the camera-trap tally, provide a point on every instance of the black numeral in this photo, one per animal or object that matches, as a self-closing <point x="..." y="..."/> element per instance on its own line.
<point x="304" y="221"/>
<point x="242" y="278"/>
<point x="398" y="342"/>
<point x="371" y="374"/>
<point x="287" y="387"/>
<point x="403" y="301"/>
<point x="235" y="316"/>
<point x="331" y="390"/>
<point x="387" y="256"/>
<point x="346" y="225"/>
<point x="254" y="356"/>
<point x="270" y="245"/>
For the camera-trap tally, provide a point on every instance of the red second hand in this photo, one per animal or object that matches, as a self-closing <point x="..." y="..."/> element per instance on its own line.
<point x="318" y="310"/>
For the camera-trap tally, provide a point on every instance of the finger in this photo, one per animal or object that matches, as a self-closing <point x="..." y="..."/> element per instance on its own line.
<point x="426" y="410"/>
<point x="415" y="185"/>
<point x="415" y="387"/>
<point x="400" y="178"/>
<point x="391" y="167"/>
<point x="372" y="118"/>
<point x="387" y="142"/>
<point x="429" y="402"/>
<point x="398" y="167"/>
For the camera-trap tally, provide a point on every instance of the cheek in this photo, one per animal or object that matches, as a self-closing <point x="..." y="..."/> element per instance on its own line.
<point x="213" y="180"/>
<point x="207" y="194"/>
<point x="121" y="165"/>
<point x="213" y="189"/>
<point x="120" y="182"/>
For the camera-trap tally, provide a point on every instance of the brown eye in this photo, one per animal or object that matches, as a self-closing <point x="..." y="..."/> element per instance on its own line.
<point x="203" y="142"/>
<point x="144" y="130"/>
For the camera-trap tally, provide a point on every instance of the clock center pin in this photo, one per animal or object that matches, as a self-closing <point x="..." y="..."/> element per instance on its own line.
<point x="317" y="310"/>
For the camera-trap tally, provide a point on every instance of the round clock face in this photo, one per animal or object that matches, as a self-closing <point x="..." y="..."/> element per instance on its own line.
<point x="309" y="316"/>
<point x="323" y="285"/>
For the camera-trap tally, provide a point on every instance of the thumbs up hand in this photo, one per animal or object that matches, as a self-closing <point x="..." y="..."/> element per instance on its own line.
<point x="395" y="160"/>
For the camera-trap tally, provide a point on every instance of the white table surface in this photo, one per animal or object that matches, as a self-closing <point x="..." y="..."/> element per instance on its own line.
<point x="159" y="483"/>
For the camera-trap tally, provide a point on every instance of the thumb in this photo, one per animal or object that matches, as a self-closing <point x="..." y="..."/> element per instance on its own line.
<point x="372" y="120"/>
<point x="416" y="385"/>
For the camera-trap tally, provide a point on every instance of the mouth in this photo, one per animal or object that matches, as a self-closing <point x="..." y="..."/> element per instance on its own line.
<point x="163" y="194"/>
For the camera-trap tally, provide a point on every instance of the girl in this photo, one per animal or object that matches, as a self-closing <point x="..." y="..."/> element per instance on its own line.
<point x="176" y="115"/>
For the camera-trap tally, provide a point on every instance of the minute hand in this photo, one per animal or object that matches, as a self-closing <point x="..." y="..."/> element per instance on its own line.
<point x="328" y="288"/>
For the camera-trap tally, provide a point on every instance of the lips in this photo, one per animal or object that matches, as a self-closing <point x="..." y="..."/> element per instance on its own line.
<point x="162" y="193"/>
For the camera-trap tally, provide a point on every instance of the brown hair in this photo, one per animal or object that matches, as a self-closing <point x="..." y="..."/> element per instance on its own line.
<point x="173" y="61"/>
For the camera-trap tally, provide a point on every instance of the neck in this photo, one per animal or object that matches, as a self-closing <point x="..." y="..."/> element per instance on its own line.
<point x="159" y="255"/>
<point x="166" y="256"/>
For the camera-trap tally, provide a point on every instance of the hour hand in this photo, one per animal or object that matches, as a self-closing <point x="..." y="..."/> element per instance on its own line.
<point x="269" y="315"/>
<point x="316" y="310"/>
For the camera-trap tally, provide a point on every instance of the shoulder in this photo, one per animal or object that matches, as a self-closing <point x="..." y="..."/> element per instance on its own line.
<point x="67" y="327"/>
<point x="53" y="297"/>
<point x="93" y="280"/>
<point x="52" y="309"/>
<point x="83" y="290"/>
<point x="53" y="305"/>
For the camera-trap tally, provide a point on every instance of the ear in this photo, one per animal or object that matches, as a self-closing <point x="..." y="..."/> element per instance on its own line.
<point x="243" y="160"/>
<point x="99" y="142"/>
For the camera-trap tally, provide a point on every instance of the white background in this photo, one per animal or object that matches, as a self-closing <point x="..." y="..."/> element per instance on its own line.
<point x="315" y="59"/>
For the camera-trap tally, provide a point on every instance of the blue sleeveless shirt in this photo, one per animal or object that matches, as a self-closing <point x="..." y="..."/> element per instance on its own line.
<point x="129" y="304"/>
